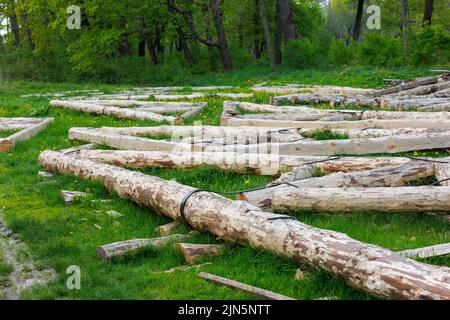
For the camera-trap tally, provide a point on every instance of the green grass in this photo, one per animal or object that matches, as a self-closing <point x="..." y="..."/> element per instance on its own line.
<point x="60" y="236"/>
<point x="7" y="133"/>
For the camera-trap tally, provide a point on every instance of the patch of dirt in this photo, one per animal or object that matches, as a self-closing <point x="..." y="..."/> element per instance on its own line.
<point x="25" y="274"/>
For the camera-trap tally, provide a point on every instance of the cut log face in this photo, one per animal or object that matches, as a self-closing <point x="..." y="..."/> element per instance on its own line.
<point x="193" y="253"/>
<point x="260" y="293"/>
<point x="113" y="250"/>
<point x="29" y="128"/>
<point x="373" y="269"/>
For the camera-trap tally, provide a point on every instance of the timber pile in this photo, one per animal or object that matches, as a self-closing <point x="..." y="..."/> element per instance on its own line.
<point x="27" y="128"/>
<point x="424" y="94"/>
<point x="370" y="268"/>
<point x="294" y="88"/>
<point x="155" y="111"/>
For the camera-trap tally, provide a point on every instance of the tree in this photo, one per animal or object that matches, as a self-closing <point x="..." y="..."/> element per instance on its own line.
<point x="405" y="21"/>
<point x="222" y="42"/>
<point x="286" y="29"/>
<point x="428" y="12"/>
<point x="358" y="20"/>
<point x="267" y="35"/>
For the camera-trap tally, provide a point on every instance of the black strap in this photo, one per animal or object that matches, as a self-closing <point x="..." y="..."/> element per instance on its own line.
<point x="184" y="201"/>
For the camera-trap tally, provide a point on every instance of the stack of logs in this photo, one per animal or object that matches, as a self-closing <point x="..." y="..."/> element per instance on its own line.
<point x="279" y="141"/>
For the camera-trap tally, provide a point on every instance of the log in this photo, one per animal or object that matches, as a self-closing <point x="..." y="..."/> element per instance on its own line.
<point x="70" y="196"/>
<point x="367" y="267"/>
<point x="235" y="285"/>
<point x="292" y="88"/>
<point x="147" y="104"/>
<point x="194" y="253"/>
<point x="202" y="95"/>
<point x="260" y="164"/>
<point x="407" y="86"/>
<point x="424" y="90"/>
<point x="385" y="200"/>
<point x="427" y="252"/>
<point x="237" y="121"/>
<point x="6" y="145"/>
<point x="443" y="174"/>
<point x="382" y="177"/>
<point x="437" y="107"/>
<point x="115" y="111"/>
<point x="109" y="251"/>
<point x="357" y="100"/>
<point x="213" y="88"/>
<point x="389" y="144"/>
<point x="373" y="133"/>
<point x="167" y="229"/>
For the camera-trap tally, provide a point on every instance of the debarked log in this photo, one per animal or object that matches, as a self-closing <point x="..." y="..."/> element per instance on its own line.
<point x="383" y="199"/>
<point x="373" y="269"/>
<point x="115" y="111"/>
<point x="395" y="176"/>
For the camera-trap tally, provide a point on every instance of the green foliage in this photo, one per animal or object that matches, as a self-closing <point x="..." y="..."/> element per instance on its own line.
<point x="340" y="53"/>
<point x="306" y="53"/>
<point x="431" y="45"/>
<point x="380" y="50"/>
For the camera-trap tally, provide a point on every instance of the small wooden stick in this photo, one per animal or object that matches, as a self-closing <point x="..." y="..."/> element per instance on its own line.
<point x="70" y="196"/>
<point x="194" y="252"/>
<point x="427" y="252"/>
<point x="261" y="293"/>
<point x="184" y="268"/>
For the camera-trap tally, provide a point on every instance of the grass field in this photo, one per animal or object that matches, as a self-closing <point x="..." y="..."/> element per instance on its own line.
<point x="60" y="236"/>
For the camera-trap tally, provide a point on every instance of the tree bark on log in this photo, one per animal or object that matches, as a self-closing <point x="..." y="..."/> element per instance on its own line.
<point x="373" y="133"/>
<point x="425" y="90"/>
<point x="443" y="174"/>
<point x="373" y="269"/>
<point x="194" y="253"/>
<point x="260" y="293"/>
<point x="407" y="86"/>
<point x="109" y="251"/>
<point x="115" y="111"/>
<point x="385" y="177"/>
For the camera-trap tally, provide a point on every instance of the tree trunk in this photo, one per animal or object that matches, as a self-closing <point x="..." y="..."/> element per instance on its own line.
<point x="150" y="42"/>
<point x="358" y="20"/>
<point x="27" y="31"/>
<point x="373" y="269"/>
<point x="286" y="29"/>
<point x="428" y="12"/>
<point x="405" y="22"/>
<point x="256" y="32"/>
<point x="14" y="26"/>
<point x="141" y="48"/>
<point x="267" y="35"/>
<point x="221" y="36"/>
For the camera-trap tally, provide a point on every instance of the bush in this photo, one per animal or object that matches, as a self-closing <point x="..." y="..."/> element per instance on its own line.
<point x="340" y="53"/>
<point x="306" y="53"/>
<point x="431" y="45"/>
<point x="380" y="50"/>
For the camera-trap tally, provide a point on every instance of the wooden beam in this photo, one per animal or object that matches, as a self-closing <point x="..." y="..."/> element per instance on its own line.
<point x="235" y="285"/>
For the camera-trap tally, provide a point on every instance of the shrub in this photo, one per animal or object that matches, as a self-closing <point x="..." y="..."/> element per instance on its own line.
<point x="431" y="45"/>
<point x="380" y="50"/>
<point x="308" y="52"/>
<point x="341" y="53"/>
